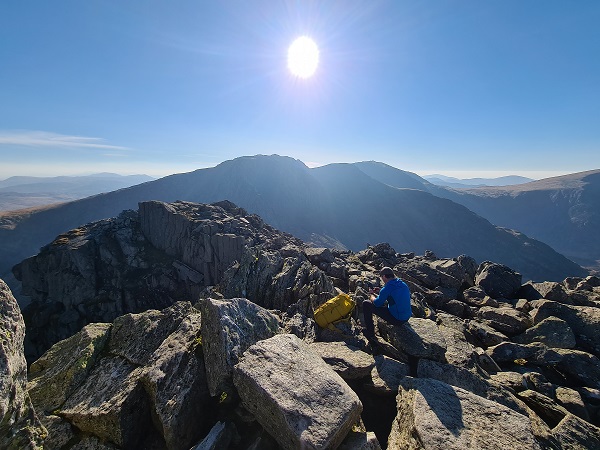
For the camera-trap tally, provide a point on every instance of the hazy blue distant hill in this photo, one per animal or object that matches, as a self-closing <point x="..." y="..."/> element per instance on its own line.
<point x="442" y="180"/>
<point x="337" y="204"/>
<point x="26" y="192"/>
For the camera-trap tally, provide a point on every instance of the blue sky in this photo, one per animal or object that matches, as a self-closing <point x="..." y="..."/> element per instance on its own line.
<point x="463" y="88"/>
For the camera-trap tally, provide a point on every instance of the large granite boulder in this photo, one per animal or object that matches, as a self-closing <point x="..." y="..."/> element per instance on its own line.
<point x="435" y="415"/>
<point x="553" y="332"/>
<point x="583" y="320"/>
<point x="295" y="395"/>
<point x="229" y="327"/>
<point x="420" y="338"/>
<point x="497" y="280"/>
<point x="20" y="427"/>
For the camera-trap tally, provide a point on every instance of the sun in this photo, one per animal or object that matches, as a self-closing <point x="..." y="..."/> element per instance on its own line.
<point x="303" y="57"/>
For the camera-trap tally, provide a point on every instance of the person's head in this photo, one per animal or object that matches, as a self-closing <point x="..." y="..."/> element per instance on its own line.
<point x="387" y="274"/>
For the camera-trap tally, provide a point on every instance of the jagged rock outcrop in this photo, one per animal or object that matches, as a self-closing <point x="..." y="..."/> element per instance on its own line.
<point x="154" y="257"/>
<point x="20" y="427"/>
<point x="243" y="368"/>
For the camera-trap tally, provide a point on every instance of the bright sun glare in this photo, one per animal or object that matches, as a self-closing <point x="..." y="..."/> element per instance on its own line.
<point x="303" y="57"/>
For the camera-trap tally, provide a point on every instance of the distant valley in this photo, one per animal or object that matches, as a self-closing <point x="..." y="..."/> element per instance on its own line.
<point x="27" y="192"/>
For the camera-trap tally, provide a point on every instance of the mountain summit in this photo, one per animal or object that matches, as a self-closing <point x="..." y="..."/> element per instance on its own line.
<point x="339" y="205"/>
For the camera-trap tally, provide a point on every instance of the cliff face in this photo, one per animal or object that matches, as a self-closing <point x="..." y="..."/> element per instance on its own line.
<point x="485" y="361"/>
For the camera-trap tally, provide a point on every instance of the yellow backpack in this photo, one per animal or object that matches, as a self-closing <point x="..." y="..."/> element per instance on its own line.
<point x="334" y="310"/>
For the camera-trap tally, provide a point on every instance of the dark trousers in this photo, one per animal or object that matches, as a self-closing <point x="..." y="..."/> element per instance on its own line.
<point x="381" y="311"/>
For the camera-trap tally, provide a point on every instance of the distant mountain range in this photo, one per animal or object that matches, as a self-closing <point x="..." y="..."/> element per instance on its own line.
<point x="459" y="183"/>
<point x="339" y="205"/>
<point x="26" y="192"/>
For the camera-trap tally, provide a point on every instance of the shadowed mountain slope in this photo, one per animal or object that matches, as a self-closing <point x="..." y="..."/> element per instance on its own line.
<point x="335" y="204"/>
<point x="563" y="212"/>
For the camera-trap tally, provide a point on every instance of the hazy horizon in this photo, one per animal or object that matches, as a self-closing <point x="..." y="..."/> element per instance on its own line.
<point x="461" y="88"/>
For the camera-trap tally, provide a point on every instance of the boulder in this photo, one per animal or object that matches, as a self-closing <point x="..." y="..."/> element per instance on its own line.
<point x="20" y="427"/>
<point x="583" y="367"/>
<point x="153" y="325"/>
<point x="551" y="290"/>
<point x="459" y="351"/>
<point x="535" y="353"/>
<point x="553" y="332"/>
<point x="111" y="404"/>
<point x="575" y="433"/>
<point x="505" y="319"/>
<point x="497" y="280"/>
<point x="583" y="320"/>
<point x="348" y="361"/>
<point x="175" y="380"/>
<point x="485" y="334"/>
<point x="386" y="376"/>
<point x="476" y="296"/>
<point x="572" y="402"/>
<point x="229" y="327"/>
<point x="435" y="415"/>
<point x="467" y="380"/>
<point x="544" y="406"/>
<point x="510" y="380"/>
<point x="65" y="366"/>
<point x="295" y="395"/>
<point x="420" y="338"/>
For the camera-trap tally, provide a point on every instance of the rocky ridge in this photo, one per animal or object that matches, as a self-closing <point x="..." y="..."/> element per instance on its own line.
<point x="241" y="364"/>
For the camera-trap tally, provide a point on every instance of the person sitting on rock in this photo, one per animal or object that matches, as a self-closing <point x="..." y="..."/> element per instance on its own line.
<point x="391" y="303"/>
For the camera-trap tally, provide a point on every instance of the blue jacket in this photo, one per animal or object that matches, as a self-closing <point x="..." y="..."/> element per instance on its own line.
<point x="397" y="295"/>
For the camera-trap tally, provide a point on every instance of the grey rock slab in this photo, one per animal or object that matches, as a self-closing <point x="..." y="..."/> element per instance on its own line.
<point x="348" y="361"/>
<point x="469" y="381"/>
<point x="572" y="401"/>
<point x="485" y="334"/>
<point x="583" y="366"/>
<point x="295" y="395"/>
<point x="229" y="327"/>
<point x="417" y="337"/>
<point x="111" y="404"/>
<point x="386" y="375"/>
<point x="552" y="331"/>
<point x="153" y="325"/>
<point x="506" y="319"/>
<point x="175" y="380"/>
<point x="544" y="406"/>
<point x="65" y="366"/>
<point x="435" y="415"/>
<point x="577" y="434"/>
<point x="583" y="320"/>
